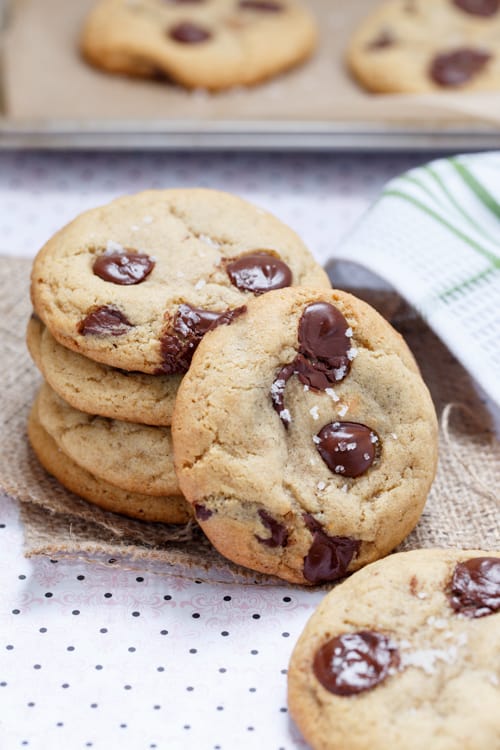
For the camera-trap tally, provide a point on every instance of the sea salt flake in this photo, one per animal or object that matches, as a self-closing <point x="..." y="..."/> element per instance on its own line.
<point x="179" y="275"/>
<point x="339" y="469"/>
<point x="343" y="410"/>
<point x="114" y="247"/>
<point x="135" y="228"/>
<point x="437" y="622"/>
<point x="329" y="392"/>
<point x="351" y="446"/>
<point x="316" y="440"/>
<point x="422" y="595"/>
<point x="373" y="438"/>
<point x="366" y="456"/>
<point x="148" y="220"/>
<point x="306" y="388"/>
<point x="314" y="412"/>
<point x="426" y="658"/>
<point x="278" y="387"/>
<point x="321" y="486"/>
<point x="200" y="284"/>
<point x="340" y="372"/>
<point x="285" y="415"/>
<point x="208" y="240"/>
<point x="344" y="488"/>
<point x="348" y="333"/>
<point x="313" y="461"/>
<point x="394" y="436"/>
<point x="352" y="353"/>
<point x="493" y="679"/>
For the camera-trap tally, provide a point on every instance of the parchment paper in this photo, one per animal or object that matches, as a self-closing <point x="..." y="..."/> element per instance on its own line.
<point x="45" y="78"/>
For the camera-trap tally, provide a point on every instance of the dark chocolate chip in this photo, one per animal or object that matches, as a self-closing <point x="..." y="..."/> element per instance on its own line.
<point x="475" y="587"/>
<point x="279" y="532"/>
<point x="458" y="67"/>
<point x="259" y="272"/>
<point x="178" y="344"/>
<point x="382" y="41"/>
<point x="202" y="512"/>
<point x="347" y="448"/>
<point x="323" y="340"/>
<point x="189" y="33"/>
<point x="104" y="321"/>
<point x="266" y="6"/>
<point x="354" y="662"/>
<point x="329" y="556"/>
<point x="483" y="8"/>
<point x="128" y="267"/>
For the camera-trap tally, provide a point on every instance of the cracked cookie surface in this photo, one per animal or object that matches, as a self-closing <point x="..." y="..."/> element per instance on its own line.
<point x="134" y="457"/>
<point x="162" y="509"/>
<point x="136" y="283"/>
<point x="212" y="44"/>
<point x="304" y="436"/>
<point x="419" y="46"/>
<point x="404" y="654"/>
<point x="98" y="389"/>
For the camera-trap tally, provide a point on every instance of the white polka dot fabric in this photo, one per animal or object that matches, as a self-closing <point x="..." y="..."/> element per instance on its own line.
<point x="101" y="657"/>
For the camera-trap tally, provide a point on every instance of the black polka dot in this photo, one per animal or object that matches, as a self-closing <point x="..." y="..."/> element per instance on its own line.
<point x="31" y="704"/>
<point x="75" y="612"/>
<point x="139" y="579"/>
<point x="195" y="615"/>
<point x="160" y="669"/>
<point x="37" y="666"/>
<point x="256" y="616"/>
<point x="80" y="578"/>
<point x="3" y="684"/>
<point x="254" y="651"/>
<point x="54" y="562"/>
<point x="70" y="648"/>
<point x="127" y="687"/>
<point x="136" y="614"/>
<point x="186" y="726"/>
<point x="156" y="708"/>
<point x="88" y="744"/>
<point x="9" y="647"/>
<point x="25" y="742"/>
<point x="22" y="577"/>
<point x="220" y="708"/>
<point x="131" y="649"/>
<point x="93" y="705"/>
<point x="287" y="599"/>
<point x="108" y="595"/>
<point x="65" y="685"/>
<point x="123" y="726"/>
<point x="103" y="630"/>
<point x="227" y="598"/>
<point x="152" y="746"/>
<point x="285" y="635"/>
<point x="199" y="582"/>
<point x="190" y="688"/>
<point x="2" y="526"/>
<point x="222" y="670"/>
<point x="283" y="709"/>
<point x="59" y="724"/>
<point x="252" y="690"/>
<point x="224" y="633"/>
<point x="193" y="651"/>
<point x="98" y="667"/>
<point x="16" y="611"/>
<point x="112" y="560"/>
<point x="284" y="671"/>
<point x="48" y="594"/>
<point x="250" y="729"/>
<point x="42" y="630"/>
<point x="163" y="632"/>
<point x="167" y="597"/>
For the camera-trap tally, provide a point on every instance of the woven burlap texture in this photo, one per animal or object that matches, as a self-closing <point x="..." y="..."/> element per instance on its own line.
<point x="462" y="509"/>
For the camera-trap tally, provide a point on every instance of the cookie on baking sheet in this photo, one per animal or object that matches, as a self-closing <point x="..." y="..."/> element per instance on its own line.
<point x="98" y="389"/>
<point x="404" y="654"/>
<point x="166" y="509"/>
<point x="135" y="284"/>
<point x="304" y="436"/>
<point x="134" y="457"/>
<point x="419" y="46"/>
<point x="211" y="44"/>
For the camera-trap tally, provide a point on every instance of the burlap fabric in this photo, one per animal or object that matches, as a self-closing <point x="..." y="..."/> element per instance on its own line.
<point x="462" y="509"/>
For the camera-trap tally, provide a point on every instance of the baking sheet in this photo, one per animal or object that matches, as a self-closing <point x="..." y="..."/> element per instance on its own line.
<point x="52" y="97"/>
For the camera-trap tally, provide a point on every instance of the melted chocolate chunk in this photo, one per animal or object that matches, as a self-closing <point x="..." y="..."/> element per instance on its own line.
<point x="104" y="321"/>
<point x="323" y="357"/>
<point x="189" y="33"/>
<point x="354" y="662"/>
<point x="266" y="6"/>
<point x="259" y="273"/>
<point x="124" y="268"/>
<point x="190" y="325"/>
<point x="347" y="448"/>
<point x="483" y="8"/>
<point x="329" y="556"/>
<point x="382" y="41"/>
<point x="279" y="532"/>
<point x="475" y="587"/>
<point x="458" y="67"/>
<point x="202" y="512"/>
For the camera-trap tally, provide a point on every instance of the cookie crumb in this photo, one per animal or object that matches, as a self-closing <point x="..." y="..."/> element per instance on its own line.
<point x="114" y="247"/>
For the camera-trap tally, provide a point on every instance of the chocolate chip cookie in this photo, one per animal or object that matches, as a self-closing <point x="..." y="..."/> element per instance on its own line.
<point x="98" y="389"/>
<point x="163" y="509"/>
<point x="304" y="436"/>
<point x="135" y="457"/>
<point x="212" y="44"/>
<point x="135" y="284"/>
<point x="405" y="654"/>
<point x="419" y="46"/>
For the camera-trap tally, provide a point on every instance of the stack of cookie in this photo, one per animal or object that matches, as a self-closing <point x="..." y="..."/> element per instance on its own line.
<point x="122" y="297"/>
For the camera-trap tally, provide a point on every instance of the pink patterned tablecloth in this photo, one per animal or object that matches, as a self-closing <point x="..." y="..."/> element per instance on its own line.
<point x="101" y="657"/>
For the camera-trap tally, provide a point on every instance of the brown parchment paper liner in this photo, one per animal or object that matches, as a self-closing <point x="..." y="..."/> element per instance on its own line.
<point x="43" y="70"/>
<point x="462" y="509"/>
